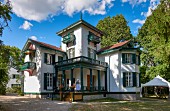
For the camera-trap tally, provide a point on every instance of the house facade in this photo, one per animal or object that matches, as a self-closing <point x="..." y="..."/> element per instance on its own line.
<point x="81" y="66"/>
<point x="14" y="78"/>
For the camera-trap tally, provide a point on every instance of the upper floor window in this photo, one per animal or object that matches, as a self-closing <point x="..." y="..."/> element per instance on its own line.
<point x="130" y="58"/>
<point x="15" y="76"/>
<point x="60" y="58"/>
<point x="130" y="79"/>
<point x="49" y="58"/>
<point x="71" y="53"/>
<point x="91" y="53"/>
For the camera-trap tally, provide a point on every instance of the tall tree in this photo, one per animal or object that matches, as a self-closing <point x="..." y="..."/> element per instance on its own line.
<point x="5" y="11"/>
<point x="154" y="38"/>
<point x="7" y="53"/>
<point x="115" y="29"/>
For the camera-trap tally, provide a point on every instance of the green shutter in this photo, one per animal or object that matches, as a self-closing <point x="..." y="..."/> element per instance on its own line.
<point x="139" y="60"/>
<point x="45" y="57"/>
<point x="94" y="54"/>
<point x="133" y="58"/>
<point x="139" y="80"/>
<point x="88" y="52"/>
<point x="53" y="59"/>
<point x="134" y="79"/>
<point x="45" y="81"/>
<point x="124" y="79"/>
<point x="123" y="58"/>
<point x="54" y="81"/>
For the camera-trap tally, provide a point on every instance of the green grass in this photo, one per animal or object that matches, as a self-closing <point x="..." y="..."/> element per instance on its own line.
<point x="157" y="105"/>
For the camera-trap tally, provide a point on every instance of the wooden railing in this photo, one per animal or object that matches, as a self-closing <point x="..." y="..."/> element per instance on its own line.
<point x="81" y="59"/>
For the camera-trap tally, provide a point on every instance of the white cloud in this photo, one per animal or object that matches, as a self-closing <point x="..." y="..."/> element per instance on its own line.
<point x="39" y="10"/>
<point x="33" y="37"/>
<point x="134" y="2"/>
<point x="139" y="21"/>
<point x="26" y="25"/>
<point x="153" y="5"/>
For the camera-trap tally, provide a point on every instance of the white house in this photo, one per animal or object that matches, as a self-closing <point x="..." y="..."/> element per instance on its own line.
<point x="112" y="71"/>
<point x="14" y="78"/>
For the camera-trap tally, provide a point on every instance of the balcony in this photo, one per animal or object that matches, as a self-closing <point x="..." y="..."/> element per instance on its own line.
<point x="30" y="52"/>
<point x="69" y="38"/>
<point x="93" y="38"/>
<point x="28" y="65"/>
<point x="81" y="59"/>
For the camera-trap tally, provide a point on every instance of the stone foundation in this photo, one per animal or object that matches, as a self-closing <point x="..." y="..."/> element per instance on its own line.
<point x="124" y="96"/>
<point x="91" y="97"/>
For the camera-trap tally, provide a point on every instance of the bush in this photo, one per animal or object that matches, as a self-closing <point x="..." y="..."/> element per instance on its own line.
<point x="14" y="90"/>
<point x="3" y="90"/>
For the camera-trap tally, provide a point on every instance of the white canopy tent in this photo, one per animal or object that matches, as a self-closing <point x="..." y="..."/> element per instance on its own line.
<point x="157" y="81"/>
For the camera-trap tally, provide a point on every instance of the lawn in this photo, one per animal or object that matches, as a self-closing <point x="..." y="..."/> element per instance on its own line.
<point x="143" y="105"/>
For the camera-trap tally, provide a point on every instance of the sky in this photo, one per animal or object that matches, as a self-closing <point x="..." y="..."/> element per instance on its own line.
<point x="41" y="19"/>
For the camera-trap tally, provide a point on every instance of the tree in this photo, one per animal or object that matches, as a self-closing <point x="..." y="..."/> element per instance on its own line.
<point x="115" y="29"/>
<point x="9" y="57"/>
<point x="154" y="38"/>
<point x="5" y="11"/>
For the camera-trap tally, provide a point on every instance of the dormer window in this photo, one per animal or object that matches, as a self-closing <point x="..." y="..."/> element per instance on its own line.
<point x="93" y="38"/>
<point x="70" y="37"/>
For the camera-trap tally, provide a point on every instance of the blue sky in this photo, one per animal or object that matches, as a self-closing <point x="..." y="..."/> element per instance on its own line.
<point x="41" y="19"/>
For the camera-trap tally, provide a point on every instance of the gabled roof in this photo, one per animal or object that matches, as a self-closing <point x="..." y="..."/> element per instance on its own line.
<point x="115" y="46"/>
<point x="79" y="23"/>
<point x="45" y="45"/>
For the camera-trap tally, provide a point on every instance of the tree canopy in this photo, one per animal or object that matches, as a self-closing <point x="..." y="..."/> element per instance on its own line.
<point x="115" y="29"/>
<point x="5" y="17"/>
<point x="154" y="38"/>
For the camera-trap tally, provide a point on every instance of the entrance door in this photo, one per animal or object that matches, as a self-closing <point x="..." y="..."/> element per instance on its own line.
<point x="88" y="81"/>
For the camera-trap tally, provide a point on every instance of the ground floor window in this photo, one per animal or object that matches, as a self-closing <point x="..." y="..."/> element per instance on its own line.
<point x="130" y="79"/>
<point x="48" y="81"/>
<point x="15" y="85"/>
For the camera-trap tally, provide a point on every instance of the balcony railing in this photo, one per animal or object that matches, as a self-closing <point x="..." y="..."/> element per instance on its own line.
<point x="94" y="38"/>
<point x="81" y="59"/>
<point x="68" y="38"/>
<point x="28" y="65"/>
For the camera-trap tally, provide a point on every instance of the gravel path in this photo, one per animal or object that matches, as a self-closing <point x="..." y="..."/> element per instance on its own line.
<point x="20" y="103"/>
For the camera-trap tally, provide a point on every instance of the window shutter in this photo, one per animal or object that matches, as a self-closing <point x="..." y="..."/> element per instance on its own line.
<point x="88" y="52"/>
<point x="45" y="57"/>
<point x="139" y="60"/>
<point x="133" y="58"/>
<point x="124" y="79"/>
<point x="134" y="79"/>
<point x="45" y="81"/>
<point x="53" y="59"/>
<point x="123" y="58"/>
<point x="94" y="54"/>
<point x="139" y="80"/>
<point x="54" y="81"/>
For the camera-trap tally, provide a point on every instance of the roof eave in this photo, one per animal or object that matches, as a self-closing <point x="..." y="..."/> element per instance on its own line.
<point x="78" y="23"/>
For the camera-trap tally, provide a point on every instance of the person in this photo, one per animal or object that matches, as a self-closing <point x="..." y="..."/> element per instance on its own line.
<point x="78" y="86"/>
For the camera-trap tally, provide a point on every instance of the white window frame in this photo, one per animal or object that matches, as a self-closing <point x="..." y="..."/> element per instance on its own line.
<point x="71" y="53"/>
<point x="49" y="59"/>
<point x="49" y="81"/>
<point x="92" y="53"/>
<point x="128" y="58"/>
<point x="129" y="79"/>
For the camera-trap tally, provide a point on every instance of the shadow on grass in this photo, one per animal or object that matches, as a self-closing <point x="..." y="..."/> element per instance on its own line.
<point x="125" y="106"/>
